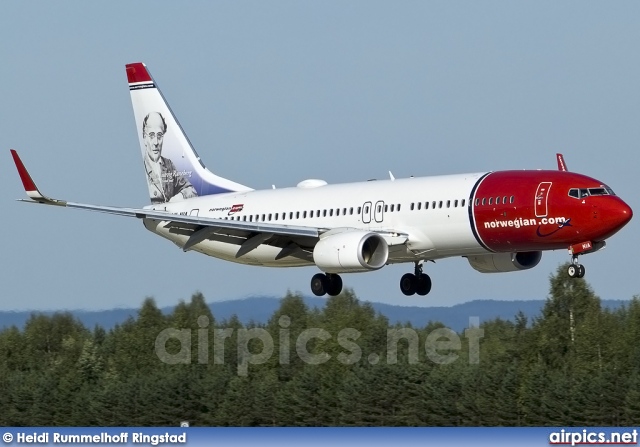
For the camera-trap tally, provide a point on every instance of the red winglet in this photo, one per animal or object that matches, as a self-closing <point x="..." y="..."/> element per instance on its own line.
<point x="561" y="164"/>
<point x="27" y="182"/>
<point x="137" y="72"/>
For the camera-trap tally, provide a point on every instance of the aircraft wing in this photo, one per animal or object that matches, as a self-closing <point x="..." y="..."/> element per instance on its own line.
<point x="294" y="240"/>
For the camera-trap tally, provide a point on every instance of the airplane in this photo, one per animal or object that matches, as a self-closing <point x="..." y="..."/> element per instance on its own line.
<point x="500" y="221"/>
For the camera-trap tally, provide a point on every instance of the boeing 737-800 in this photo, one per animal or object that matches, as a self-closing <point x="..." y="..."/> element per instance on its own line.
<point x="500" y="221"/>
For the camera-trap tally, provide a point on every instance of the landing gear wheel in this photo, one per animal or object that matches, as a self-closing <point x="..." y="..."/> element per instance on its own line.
<point x="322" y="284"/>
<point x="576" y="271"/>
<point x="423" y="286"/>
<point x="334" y="286"/>
<point x="408" y="284"/>
<point x="319" y="284"/>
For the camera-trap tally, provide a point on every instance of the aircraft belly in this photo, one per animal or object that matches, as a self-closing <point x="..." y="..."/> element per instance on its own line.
<point x="452" y="240"/>
<point x="450" y="236"/>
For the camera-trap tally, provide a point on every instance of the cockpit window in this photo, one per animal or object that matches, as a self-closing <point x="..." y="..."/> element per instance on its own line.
<point x="585" y="192"/>
<point x="598" y="192"/>
<point x="578" y="193"/>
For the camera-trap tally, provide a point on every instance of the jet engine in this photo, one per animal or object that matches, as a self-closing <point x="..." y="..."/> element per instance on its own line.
<point x="351" y="251"/>
<point x="505" y="262"/>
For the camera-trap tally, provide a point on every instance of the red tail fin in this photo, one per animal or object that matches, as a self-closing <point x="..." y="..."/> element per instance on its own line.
<point x="562" y="166"/>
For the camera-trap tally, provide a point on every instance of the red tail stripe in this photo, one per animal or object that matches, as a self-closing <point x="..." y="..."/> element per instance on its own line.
<point x="137" y="72"/>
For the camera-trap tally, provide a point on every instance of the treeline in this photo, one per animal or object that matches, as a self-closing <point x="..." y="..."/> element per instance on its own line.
<point x="577" y="364"/>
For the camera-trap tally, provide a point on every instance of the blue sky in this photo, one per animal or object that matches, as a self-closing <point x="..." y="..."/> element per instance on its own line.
<point x="277" y="92"/>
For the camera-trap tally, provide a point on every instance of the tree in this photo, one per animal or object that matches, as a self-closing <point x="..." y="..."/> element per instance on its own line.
<point x="286" y="324"/>
<point x="570" y="303"/>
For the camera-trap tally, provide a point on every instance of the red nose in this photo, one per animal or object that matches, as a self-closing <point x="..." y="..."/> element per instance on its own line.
<point x="618" y="215"/>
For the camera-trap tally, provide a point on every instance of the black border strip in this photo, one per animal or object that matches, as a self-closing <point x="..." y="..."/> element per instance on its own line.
<point x="141" y="86"/>
<point x="472" y="222"/>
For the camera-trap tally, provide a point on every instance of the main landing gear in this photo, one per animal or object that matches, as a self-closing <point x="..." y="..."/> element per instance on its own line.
<point x="575" y="270"/>
<point x="418" y="282"/>
<point x="410" y="284"/>
<point x="329" y="283"/>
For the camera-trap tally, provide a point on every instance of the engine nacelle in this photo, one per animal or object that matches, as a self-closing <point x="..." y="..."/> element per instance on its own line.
<point x="505" y="262"/>
<point x="351" y="251"/>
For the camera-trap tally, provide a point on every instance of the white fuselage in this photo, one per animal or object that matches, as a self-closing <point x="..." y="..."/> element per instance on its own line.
<point x="440" y="229"/>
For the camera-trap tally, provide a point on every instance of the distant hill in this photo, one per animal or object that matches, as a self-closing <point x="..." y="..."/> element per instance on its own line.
<point x="260" y="309"/>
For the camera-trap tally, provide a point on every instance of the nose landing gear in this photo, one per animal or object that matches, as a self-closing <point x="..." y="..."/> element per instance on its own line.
<point x="417" y="282"/>
<point x="575" y="270"/>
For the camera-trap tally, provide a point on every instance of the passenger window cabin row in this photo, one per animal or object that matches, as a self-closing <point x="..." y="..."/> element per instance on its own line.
<point x="336" y="212"/>
<point x="495" y="200"/>
<point x="438" y="204"/>
<point x="578" y="193"/>
<point x="293" y="215"/>
<point x="414" y="206"/>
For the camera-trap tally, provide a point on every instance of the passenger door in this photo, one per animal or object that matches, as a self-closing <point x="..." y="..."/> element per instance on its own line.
<point x="378" y="213"/>
<point x="366" y="212"/>
<point x="541" y="199"/>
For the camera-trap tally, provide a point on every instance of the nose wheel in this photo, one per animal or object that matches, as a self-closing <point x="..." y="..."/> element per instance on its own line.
<point x="575" y="270"/>
<point x="329" y="284"/>
<point x="417" y="282"/>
